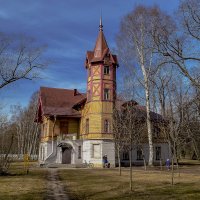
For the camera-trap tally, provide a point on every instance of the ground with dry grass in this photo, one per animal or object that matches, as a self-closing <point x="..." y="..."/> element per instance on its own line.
<point x="20" y="186"/>
<point x="99" y="184"/>
<point x="152" y="184"/>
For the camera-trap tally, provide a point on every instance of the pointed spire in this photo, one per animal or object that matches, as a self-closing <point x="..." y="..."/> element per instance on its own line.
<point x="101" y="43"/>
<point x="101" y="25"/>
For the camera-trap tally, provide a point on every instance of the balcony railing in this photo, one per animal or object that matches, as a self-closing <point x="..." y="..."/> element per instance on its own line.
<point x="62" y="137"/>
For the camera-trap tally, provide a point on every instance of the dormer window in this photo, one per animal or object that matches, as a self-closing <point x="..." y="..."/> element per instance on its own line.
<point x="106" y="70"/>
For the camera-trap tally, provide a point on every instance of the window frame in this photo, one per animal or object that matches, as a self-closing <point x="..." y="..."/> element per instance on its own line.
<point x="106" y="70"/>
<point x="93" y="151"/>
<point x="79" y="152"/>
<point x="125" y="156"/>
<point x="106" y="94"/>
<point x="106" y="126"/>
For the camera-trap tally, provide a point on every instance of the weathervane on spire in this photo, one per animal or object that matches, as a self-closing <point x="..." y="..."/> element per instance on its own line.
<point x="100" y="25"/>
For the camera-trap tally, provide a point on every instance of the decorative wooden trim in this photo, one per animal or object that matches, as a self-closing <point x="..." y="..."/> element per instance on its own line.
<point x="97" y="88"/>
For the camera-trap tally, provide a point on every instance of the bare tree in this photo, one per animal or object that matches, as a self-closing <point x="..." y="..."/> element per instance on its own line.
<point x="136" y="48"/>
<point x="127" y="129"/>
<point x="27" y="130"/>
<point x="20" y="58"/>
<point x="7" y="134"/>
<point x="178" y="40"/>
<point x="118" y="130"/>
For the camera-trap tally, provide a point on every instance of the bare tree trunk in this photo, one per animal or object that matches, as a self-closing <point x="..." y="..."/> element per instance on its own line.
<point x="145" y="165"/>
<point x="195" y="148"/>
<point x="130" y="160"/>
<point x="119" y="161"/>
<point x="149" y="129"/>
<point x="5" y="165"/>
<point x="172" y="170"/>
<point x="173" y="163"/>
<point x="161" y="164"/>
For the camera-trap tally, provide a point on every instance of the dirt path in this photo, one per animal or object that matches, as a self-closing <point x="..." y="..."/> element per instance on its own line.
<point x="55" y="187"/>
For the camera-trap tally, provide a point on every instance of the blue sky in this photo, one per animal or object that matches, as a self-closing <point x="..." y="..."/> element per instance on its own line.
<point x="69" y="28"/>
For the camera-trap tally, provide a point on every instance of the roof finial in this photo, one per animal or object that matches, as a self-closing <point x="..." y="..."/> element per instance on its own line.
<point x="100" y="25"/>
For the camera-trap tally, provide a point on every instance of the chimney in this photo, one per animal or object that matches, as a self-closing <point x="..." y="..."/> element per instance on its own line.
<point x="75" y="92"/>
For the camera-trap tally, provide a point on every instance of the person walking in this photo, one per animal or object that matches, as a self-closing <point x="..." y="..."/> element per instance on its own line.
<point x="168" y="164"/>
<point x="105" y="161"/>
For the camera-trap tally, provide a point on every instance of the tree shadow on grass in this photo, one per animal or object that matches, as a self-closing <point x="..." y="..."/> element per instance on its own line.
<point x="24" y="196"/>
<point x="179" y="191"/>
<point x="76" y="195"/>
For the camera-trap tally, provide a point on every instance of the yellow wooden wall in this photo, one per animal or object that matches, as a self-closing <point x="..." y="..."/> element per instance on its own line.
<point x="73" y="127"/>
<point x="96" y="110"/>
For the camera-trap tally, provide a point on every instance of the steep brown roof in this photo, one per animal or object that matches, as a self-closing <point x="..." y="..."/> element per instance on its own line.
<point x="55" y="101"/>
<point x="101" y="45"/>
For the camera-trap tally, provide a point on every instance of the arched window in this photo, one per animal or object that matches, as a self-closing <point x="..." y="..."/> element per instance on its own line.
<point x="106" y="126"/>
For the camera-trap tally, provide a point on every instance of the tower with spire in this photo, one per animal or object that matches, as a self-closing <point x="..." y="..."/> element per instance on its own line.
<point x="77" y="128"/>
<point x="96" y="120"/>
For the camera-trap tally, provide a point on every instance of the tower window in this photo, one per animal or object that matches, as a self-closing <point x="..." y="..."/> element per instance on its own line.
<point x="106" y="70"/>
<point x="106" y="126"/>
<point x="87" y="126"/>
<point x="106" y="94"/>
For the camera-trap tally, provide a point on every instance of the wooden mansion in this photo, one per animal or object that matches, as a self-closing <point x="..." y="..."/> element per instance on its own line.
<point x="77" y="127"/>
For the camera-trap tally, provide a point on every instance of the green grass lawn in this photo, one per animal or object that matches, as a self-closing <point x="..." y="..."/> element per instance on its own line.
<point x="153" y="184"/>
<point x="20" y="186"/>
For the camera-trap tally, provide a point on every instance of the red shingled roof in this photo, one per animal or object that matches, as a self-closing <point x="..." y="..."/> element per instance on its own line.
<point x="55" y="101"/>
